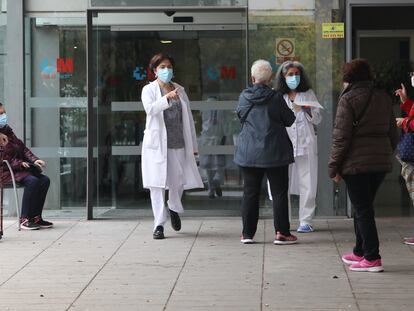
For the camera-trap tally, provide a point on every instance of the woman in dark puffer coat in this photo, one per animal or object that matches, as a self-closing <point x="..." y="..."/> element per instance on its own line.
<point x="361" y="155"/>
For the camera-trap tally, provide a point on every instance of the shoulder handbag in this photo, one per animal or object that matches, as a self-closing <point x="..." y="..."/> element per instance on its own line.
<point x="244" y="117"/>
<point x="357" y="120"/>
<point x="406" y="145"/>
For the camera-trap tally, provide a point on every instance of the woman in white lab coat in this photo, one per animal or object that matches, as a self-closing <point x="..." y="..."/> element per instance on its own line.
<point x="169" y="145"/>
<point x="291" y="80"/>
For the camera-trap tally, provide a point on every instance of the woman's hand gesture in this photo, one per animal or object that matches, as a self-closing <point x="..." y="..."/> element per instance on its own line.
<point x="402" y="92"/>
<point x="296" y="108"/>
<point x="399" y="121"/>
<point x="172" y="95"/>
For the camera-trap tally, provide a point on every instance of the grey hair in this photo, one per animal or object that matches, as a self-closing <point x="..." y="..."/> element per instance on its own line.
<point x="290" y="64"/>
<point x="261" y="71"/>
<point x="280" y="81"/>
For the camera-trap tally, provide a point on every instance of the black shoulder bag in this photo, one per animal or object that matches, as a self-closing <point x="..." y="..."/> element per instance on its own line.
<point x="244" y="117"/>
<point x="357" y="120"/>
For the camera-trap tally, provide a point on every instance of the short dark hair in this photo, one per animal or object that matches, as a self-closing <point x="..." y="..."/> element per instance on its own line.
<point x="280" y="80"/>
<point x="158" y="58"/>
<point x="356" y="70"/>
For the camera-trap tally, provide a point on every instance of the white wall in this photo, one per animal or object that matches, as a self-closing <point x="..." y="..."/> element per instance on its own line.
<point x="55" y="5"/>
<point x="81" y="5"/>
<point x="281" y="4"/>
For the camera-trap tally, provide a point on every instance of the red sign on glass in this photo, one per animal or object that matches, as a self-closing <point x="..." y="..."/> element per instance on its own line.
<point x="228" y="72"/>
<point x="64" y="65"/>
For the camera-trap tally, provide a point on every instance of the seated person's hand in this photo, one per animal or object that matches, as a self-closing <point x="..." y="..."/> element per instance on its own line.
<point x="39" y="162"/>
<point x="25" y="165"/>
<point x="3" y="140"/>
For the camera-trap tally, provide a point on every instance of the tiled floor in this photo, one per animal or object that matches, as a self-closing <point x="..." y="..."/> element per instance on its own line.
<point x="116" y="265"/>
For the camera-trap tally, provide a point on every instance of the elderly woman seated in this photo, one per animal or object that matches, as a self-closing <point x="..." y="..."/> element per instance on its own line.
<point x="27" y="169"/>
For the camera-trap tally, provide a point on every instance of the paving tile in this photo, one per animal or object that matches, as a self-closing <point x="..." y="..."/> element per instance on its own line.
<point x="116" y="265"/>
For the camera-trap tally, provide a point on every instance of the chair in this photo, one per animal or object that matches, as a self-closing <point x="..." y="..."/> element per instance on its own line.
<point x="13" y="185"/>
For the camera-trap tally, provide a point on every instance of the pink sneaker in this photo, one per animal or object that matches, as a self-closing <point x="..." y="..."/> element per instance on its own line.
<point x="409" y="241"/>
<point x="246" y="240"/>
<point x="351" y="258"/>
<point x="367" y="266"/>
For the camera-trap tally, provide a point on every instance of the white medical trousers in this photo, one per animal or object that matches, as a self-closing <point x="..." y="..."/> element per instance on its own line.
<point x="305" y="182"/>
<point x="307" y="171"/>
<point x="175" y="178"/>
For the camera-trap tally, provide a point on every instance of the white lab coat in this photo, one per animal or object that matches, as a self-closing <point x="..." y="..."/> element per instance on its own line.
<point x="154" y="144"/>
<point x="304" y="171"/>
<point x="304" y="141"/>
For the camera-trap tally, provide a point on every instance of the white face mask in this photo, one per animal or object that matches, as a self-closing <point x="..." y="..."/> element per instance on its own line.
<point x="412" y="81"/>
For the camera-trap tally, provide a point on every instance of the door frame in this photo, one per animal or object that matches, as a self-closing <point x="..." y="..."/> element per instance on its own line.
<point x="91" y="130"/>
<point x="349" y="5"/>
<point x="384" y="34"/>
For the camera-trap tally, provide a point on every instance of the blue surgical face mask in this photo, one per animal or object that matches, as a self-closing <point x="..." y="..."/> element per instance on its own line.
<point x="293" y="81"/>
<point x="3" y="120"/>
<point x="165" y="74"/>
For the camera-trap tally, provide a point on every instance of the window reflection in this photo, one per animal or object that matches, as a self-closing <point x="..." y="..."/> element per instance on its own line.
<point x="56" y="96"/>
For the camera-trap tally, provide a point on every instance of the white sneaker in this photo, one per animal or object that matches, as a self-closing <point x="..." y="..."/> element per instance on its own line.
<point x="246" y="240"/>
<point x="306" y="228"/>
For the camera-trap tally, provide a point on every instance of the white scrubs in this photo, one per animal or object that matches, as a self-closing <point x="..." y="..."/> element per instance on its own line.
<point x="175" y="177"/>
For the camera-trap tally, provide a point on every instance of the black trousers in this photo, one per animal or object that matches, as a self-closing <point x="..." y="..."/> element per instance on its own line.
<point x="279" y="183"/>
<point x="362" y="189"/>
<point x="34" y="196"/>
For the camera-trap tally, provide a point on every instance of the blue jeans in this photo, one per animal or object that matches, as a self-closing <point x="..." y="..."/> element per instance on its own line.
<point x="34" y="196"/>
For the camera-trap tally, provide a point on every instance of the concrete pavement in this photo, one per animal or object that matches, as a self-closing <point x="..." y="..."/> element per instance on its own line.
<point x="108" y="265"/>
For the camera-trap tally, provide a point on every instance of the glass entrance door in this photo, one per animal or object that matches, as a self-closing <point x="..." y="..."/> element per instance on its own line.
<point x="209" y="49"/>
<point x="391" y="68"/>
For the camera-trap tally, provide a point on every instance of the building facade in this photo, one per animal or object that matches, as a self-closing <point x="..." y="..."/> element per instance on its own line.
<point x="72" y="74"/>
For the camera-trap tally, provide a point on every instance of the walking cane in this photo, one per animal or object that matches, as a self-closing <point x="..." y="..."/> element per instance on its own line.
<point x="1" y="192"/>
